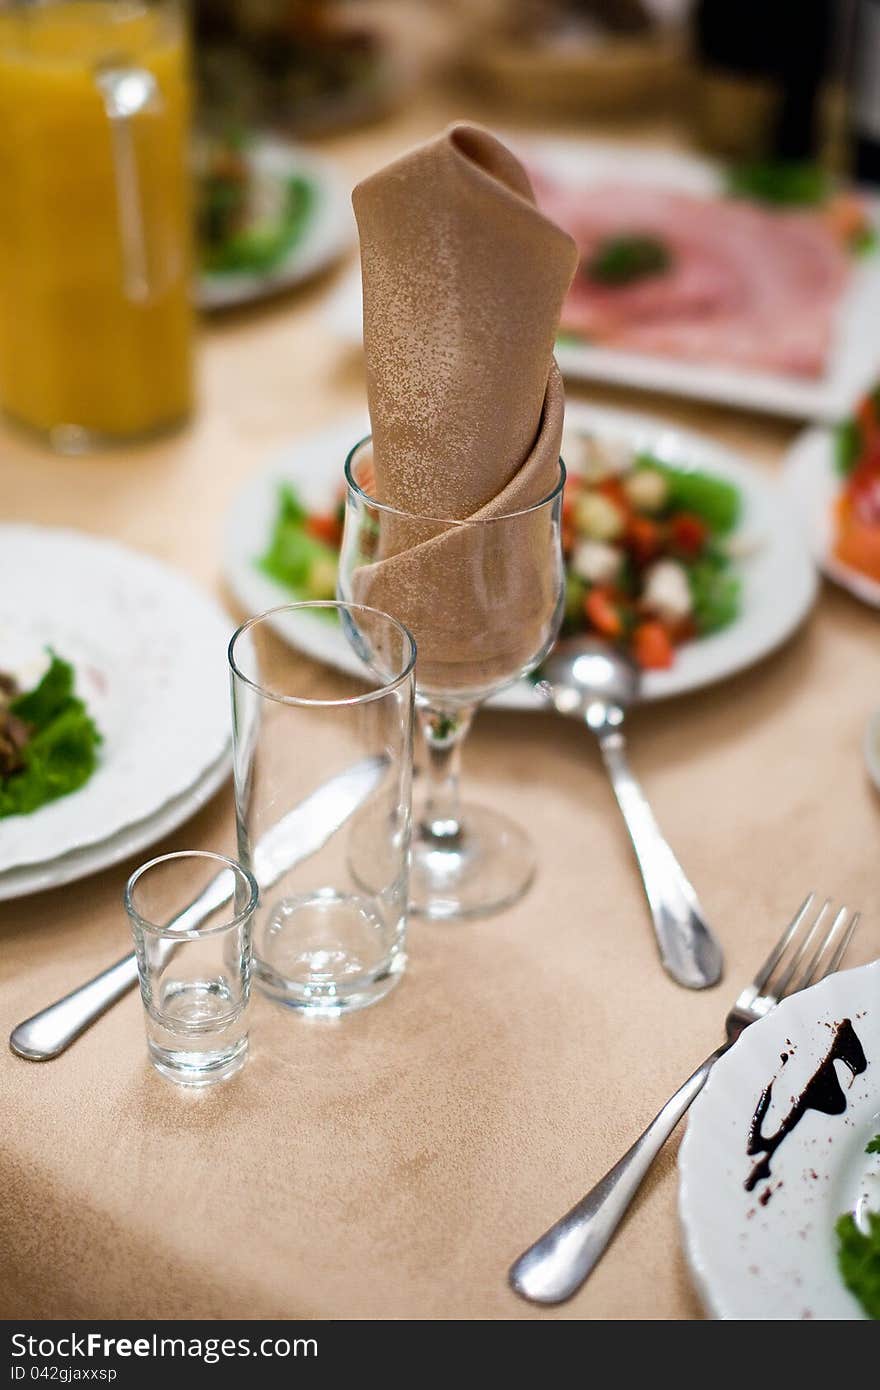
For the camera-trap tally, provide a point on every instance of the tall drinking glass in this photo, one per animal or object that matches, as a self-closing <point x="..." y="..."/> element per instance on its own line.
<point x="323" y="767"/>
<point x="484" y="600"/>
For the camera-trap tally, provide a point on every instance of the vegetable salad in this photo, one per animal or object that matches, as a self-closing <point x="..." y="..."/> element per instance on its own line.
<point x="645" y="548"/>
<point x="857" y="509"/>
<point x="48" y="741"/>
<point x="645" y="543"/>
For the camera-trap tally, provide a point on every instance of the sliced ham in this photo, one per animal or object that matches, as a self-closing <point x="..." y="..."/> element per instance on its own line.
<point x="747" y="286"/>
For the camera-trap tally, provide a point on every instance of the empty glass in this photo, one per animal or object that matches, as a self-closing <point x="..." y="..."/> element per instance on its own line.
<point x="484" y="601"/>
<point x="190" y="916"/>
<point x="323" y="767"/>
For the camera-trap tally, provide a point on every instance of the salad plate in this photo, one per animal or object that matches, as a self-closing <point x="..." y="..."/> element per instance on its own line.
<point x="778" y="581"/>
<point x="813" y="484"/>
<point x="148" y="650"/>
<point x="772" y="1251"/>
<point x="324" y="230"/>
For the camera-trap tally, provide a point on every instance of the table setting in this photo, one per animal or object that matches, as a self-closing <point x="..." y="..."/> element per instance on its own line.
<point x="321" y="926"/>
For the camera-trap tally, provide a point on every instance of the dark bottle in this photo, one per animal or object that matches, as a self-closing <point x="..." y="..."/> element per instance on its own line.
<point x="762" y="68"/>
<point x="865" y="93"/>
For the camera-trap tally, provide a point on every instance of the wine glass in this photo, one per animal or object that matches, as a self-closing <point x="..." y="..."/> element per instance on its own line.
<point x="483" y="598"/>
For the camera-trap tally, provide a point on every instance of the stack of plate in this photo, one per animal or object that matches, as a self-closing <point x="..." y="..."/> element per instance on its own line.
<point x="149" y="652"/>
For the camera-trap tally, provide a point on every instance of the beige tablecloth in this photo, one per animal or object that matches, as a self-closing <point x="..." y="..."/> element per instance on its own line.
<point x="392" y="1165"/>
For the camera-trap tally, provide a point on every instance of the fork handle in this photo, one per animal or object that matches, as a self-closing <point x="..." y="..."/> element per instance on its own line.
<point x="554" y="1268"/>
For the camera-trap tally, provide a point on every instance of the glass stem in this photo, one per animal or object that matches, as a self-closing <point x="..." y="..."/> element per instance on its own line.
<point x="444" y="731"/>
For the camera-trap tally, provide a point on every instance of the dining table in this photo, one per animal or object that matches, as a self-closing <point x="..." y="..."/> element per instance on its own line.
<point x="393" y="1163"/>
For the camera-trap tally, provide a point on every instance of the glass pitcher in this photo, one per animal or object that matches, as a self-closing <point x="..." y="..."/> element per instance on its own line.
<point x="96" y="323"/>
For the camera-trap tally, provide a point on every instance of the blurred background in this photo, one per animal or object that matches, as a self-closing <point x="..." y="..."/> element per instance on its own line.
<point x="148" y="145"/>
<point x="752" y="79"/>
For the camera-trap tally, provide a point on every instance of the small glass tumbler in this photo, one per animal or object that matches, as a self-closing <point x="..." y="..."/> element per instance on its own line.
<point x="323" y="768"/>
<point x="191" y="917"/>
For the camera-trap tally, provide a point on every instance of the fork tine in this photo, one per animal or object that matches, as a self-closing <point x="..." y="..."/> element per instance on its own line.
<point x="809" y="970"/>
<point x="844" y="943"/>
<point x="775" y="955"/>
<point x="783" y="984"/>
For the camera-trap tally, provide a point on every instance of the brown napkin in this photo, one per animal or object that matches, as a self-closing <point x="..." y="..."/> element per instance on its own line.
<point x="463" y="283"/>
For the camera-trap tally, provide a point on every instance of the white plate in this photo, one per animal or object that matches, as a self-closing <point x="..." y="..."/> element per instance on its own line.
<point x="755" y="1261"/>
<point x="779" y="581"/>
<point x="855" y="356"/>
<point x="149" y="651"/>
<point x="328" y="233"/>
<point x="35" y="878"/>
<point x="812" y="486"/>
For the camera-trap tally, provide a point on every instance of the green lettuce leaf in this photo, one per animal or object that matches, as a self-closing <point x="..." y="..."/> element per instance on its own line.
<point x="858" y="1257"/>
<point x="62" y="751"/>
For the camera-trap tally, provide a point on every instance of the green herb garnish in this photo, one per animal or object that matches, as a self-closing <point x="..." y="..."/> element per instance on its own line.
<point x="620" y="260"/>
<point x="261" y="246"/>
<point x="295" y="558"/>
<point x="61" y="750"/>
<point x="858" y="1258"/>
<point x="858" y="1253"/>
<point x="782" y="183"/>
<point x="715" y="592"/>
<point x="865" y="241"/>
<point x="575" y="593"/>
<point x="847" y="446"/>
<point x="690" y="490"/>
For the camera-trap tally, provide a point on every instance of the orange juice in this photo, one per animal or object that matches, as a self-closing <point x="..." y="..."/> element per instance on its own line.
<point x="95" y="227"/>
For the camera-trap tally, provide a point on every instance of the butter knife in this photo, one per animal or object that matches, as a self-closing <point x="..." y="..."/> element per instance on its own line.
<point x="299" y="834"/>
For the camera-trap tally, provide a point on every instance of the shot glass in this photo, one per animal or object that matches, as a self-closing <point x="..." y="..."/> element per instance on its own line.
<point x="191" y="916"/>
<point x="323" y="769"/>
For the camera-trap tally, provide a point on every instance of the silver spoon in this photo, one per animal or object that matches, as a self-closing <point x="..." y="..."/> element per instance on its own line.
<point x="589" y="680"/>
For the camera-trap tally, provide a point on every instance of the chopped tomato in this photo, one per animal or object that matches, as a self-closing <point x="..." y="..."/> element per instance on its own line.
<point x="858" y="540"/>
<point x="863" y="492"/>
<point x="603" y="613"/>
<point x="643" y="537"/>
<point x="612" y="488"/>
<point x="325" y="528"/>
<point x="846" y="215"/>
<point x="866" y="414"/>
<point x="652" y="646"/>
<point x="688" y="534"/>
<point x="569" y="504"/>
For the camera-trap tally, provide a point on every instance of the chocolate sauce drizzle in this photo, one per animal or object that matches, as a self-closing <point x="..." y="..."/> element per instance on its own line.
<point x="823" y="1092"/>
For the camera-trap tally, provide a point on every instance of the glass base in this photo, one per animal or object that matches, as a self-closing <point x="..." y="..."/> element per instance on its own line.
<point x="189" y="1068"/>
<point x="486" y="866"/>
<point x="326" y="953"/>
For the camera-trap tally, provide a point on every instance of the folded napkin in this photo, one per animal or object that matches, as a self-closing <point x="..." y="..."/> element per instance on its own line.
<point x="463" y="283"/>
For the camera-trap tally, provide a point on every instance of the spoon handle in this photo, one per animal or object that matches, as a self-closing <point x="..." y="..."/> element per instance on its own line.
<point x="688" y="950"/>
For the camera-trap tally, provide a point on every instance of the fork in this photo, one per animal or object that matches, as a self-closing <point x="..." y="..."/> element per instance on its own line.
<point x="555" y="1267"/>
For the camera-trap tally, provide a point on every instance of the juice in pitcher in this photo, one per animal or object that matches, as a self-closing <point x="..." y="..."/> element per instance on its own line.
<point x="95" y="228"/>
